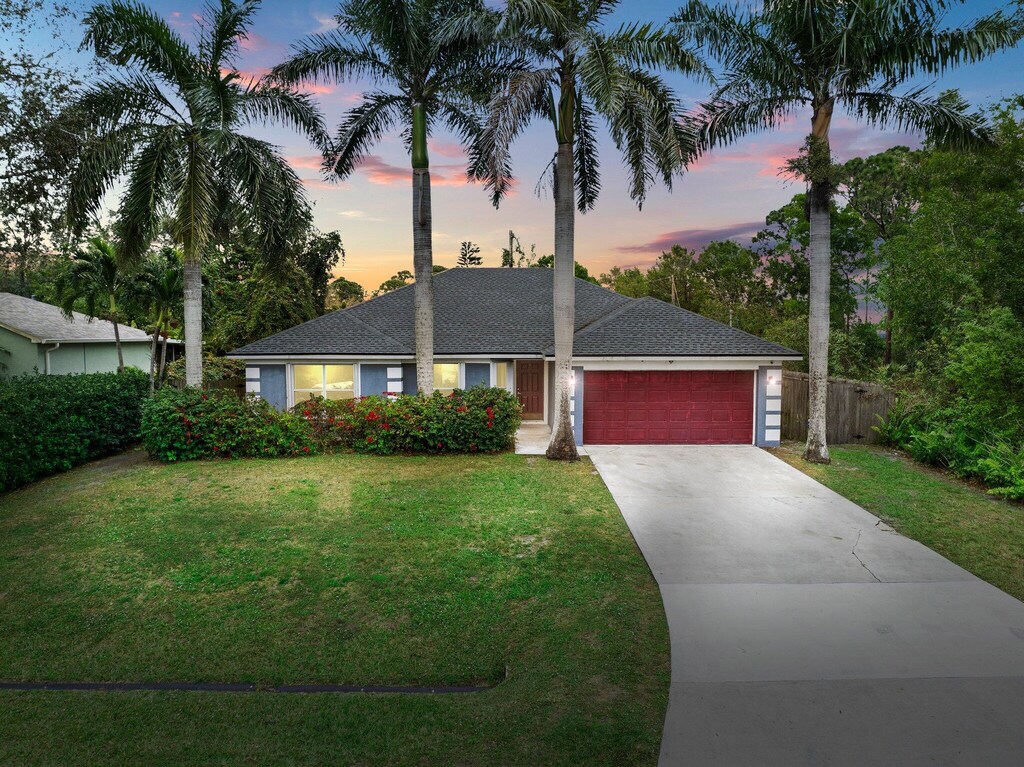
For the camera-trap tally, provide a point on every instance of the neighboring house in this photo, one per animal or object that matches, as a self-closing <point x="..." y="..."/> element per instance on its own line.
<point x="646" y="372"/>
<point x="39" y="338"/>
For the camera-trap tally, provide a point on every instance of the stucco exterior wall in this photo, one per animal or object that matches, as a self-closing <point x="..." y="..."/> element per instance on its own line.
<point x="97" y="358"/>
<point x="21" y="355"/>
<point x="24" y="356"/>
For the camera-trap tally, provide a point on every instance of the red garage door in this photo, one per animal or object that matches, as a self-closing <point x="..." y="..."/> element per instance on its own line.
<point x="698" y="407"/>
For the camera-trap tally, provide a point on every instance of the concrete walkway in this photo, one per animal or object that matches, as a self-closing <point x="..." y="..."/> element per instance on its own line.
<point x="804" y="631"/>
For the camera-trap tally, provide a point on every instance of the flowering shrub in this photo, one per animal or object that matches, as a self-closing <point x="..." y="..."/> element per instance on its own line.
<point x="182" y="425"/>
<point x="50" y="423"/>
<point x="479" y="420"/>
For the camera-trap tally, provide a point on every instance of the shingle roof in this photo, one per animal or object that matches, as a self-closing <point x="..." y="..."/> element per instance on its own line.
<point x="504" y="312"/>
<point x="647" y="327"/>
<point x="45" y="322"/>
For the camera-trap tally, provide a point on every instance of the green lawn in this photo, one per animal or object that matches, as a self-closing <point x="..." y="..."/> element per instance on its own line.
<point x="976" y="531"/>
<point x="336" y="569"/>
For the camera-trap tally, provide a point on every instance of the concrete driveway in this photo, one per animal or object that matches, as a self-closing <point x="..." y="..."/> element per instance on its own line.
<point x="804" y="631"/>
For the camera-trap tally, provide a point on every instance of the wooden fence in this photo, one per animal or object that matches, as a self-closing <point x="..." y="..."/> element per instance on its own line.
<point x="854" y="407"/>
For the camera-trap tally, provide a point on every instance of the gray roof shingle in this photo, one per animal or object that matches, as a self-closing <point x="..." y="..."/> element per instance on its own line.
<point x="45" y="322"/>
<point x="506" y="312"/>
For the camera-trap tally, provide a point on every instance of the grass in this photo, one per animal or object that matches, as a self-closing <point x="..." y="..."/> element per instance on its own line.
<point x="500" y="570"/>
<point x="980" y="533"/>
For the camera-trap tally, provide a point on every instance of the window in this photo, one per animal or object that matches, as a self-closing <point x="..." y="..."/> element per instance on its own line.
<point x="501" y="375"/>
<point x="446" y="378"/>
<point x="327" y="381"/>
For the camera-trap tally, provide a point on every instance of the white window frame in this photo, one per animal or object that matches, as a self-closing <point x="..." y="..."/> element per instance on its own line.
<point x="290" y="377"/>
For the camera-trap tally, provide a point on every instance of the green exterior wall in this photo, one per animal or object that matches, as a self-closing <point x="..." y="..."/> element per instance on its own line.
<point x="20" y="355"/>
<point x="27" y="357"/>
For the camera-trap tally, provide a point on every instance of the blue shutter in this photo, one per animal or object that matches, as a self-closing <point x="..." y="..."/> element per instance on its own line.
<point x="478" y="374"/>
<point x="274" y="386"/>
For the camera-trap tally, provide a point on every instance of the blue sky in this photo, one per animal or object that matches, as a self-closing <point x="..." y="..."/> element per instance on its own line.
<point x="726" y="195"/>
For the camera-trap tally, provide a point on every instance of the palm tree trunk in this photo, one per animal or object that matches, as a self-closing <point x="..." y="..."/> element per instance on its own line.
<point x="162" y="370"/>
<point x="117" y="335"/>
<point x="117" y="345"/>
<point x="422" y="254"/>
<point x="563" y="441"/>
<point x="887" y="358"/>
<point x="423" y="289"/>
<point x="818" y="331"/>
<point x="193" y="323"/>
<point x="152" y="361"/>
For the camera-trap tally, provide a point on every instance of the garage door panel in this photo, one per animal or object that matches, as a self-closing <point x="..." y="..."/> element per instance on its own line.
<point x="668" y="407"/>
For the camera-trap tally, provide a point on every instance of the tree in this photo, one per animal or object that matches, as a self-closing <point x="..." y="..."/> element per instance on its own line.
<point x="630" y="282"/>
<point x="878" y="189"/>
<point x="318" y="256"/>
<point x="432" y="77"/>
<point x="160" y="287"/>
<point x="344" y="293"/>
<point x="170" y="121"/>
<point x="394" y="282"/>
<point x="824" y="54"/>
<point x="95" y="279"/>
<point x="675" y="279"/>
<point x="34" y="145"/>
<point x="579" y="72"/>
<point x="958" y="251"/>
<point x="469" y="255"/>
<point x="579" y="270"/>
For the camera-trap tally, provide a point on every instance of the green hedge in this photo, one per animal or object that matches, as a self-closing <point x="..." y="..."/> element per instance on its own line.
<point x="187" y="424"/>
<point x="479" y="420"/>
<point x="52" y="423"/>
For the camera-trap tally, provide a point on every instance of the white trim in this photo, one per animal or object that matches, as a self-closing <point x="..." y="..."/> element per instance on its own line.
<point x="289" y="378"/>
<point x="706" y="363"/>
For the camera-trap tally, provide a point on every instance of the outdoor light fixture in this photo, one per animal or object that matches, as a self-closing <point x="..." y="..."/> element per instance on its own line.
<point x="771" y="380"/>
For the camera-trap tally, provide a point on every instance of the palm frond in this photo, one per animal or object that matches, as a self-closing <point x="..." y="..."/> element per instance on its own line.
<point x="149" y="185"/>
<point x="587" y="168"/>
<point x="525" y="97"/>
<point x="331" y="57"/>
<point x="226" y="24"/>
<point x="944" y="120"/>
<point x="363" y="126"/>
<point x="127" y="33"/>
<point x="266" y="102"/>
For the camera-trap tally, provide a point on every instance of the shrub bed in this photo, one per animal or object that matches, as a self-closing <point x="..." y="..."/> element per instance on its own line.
<point x="478" y="420"/>
<point x="187" y="424"/>
<point x="53" y="423"/>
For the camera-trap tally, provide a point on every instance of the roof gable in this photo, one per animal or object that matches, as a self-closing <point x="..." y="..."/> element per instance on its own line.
<point x="40" y="321"/>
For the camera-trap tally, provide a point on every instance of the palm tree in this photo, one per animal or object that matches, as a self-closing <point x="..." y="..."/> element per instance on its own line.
<point x="96" y="277"/>
<point x="578" y="73"/>
<point x="428" y="77"/>
<point x="160" y="289"/>
<point x="170" y="123"/>
<point x="823" y="54"/>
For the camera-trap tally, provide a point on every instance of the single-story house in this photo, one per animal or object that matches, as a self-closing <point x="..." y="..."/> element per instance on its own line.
<point x="646" y="372"/>
<point x="36" y="337"/>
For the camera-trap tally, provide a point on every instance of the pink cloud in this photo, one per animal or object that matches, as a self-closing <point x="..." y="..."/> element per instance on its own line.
<point x="695" y="239"/>
<point x="377" y="171"/>
<point x="450" y="149"/>
<point x="305" y="162"/>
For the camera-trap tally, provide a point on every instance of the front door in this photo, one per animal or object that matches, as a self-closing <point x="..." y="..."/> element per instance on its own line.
<point x="530" y="388"/>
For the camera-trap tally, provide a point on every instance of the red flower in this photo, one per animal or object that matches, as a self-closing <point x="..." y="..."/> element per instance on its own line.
<point x="306" y="413"/>
<point x="386" y="426"/>
<point x="439" y="444"/>
<point x="369" y="439"/>
<point x="490" y="413"/>
<point x="372" y="416"/>
<point x="305" y="450"/>
<point x="461" y="409"/>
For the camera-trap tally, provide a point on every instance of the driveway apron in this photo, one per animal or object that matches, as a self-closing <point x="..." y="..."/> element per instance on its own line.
<point x="805" y="631"/>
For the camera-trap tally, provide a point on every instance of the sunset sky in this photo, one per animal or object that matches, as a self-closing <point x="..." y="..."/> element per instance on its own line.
<point x="726" y="195"/>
